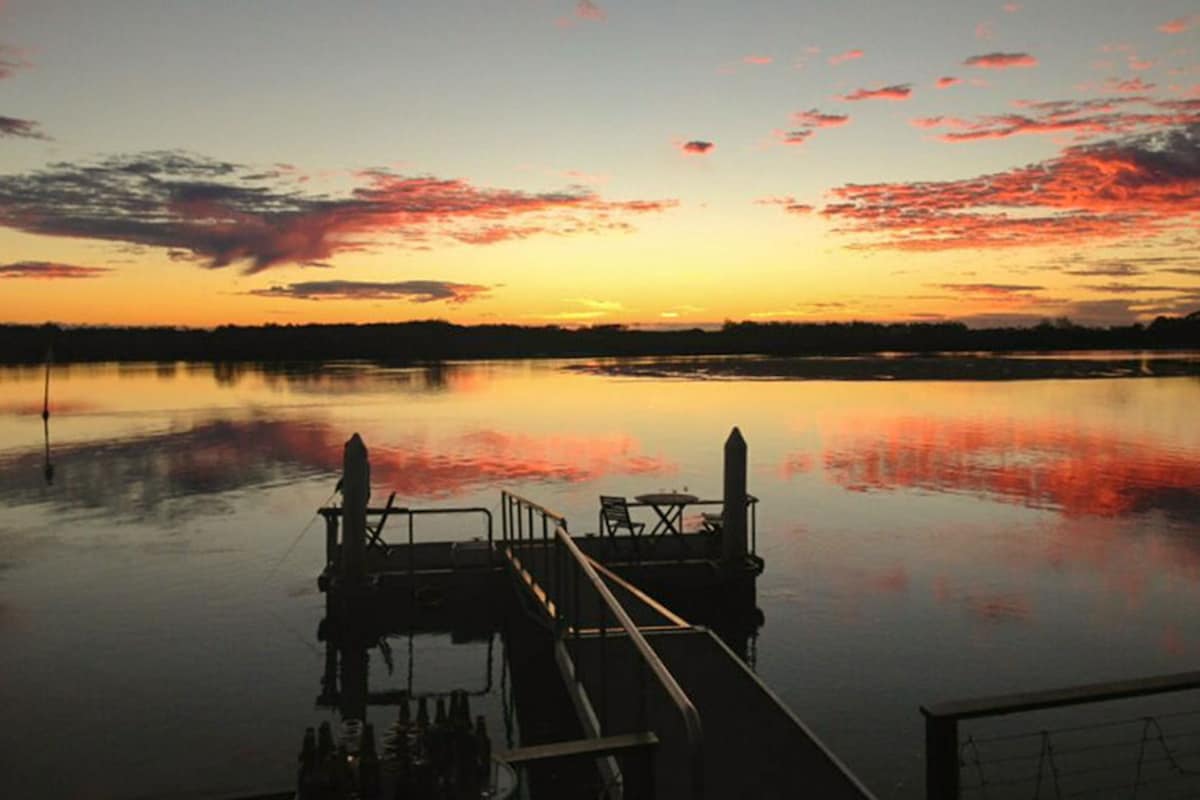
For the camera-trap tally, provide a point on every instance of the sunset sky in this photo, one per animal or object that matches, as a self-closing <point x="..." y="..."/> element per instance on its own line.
<point x="200" y="162"/>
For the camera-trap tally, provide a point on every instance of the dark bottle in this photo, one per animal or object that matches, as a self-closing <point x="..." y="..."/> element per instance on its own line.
<point x="439" y="716"/>
<point x="483" y="749"/>
<point x="422" y="713"/>
<point x="306" y="779"/>
<point x="325" y="776"/>
<point x="368" y="764"/>
<point x="404" y="719"/>
<point x="465" y="710"/>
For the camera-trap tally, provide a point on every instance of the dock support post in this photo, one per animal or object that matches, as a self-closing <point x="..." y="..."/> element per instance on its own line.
<point x="356" y="491"/>
<point x="941" y="757"/>
<point x="733" y="513"/>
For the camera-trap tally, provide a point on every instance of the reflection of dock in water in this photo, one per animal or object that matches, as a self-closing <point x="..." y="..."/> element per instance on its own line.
<point x="625" y="658"/>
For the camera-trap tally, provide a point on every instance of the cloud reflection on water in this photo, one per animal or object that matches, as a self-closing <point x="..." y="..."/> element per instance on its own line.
<point x="1077" y="472"/>
<point x="136" y="475"/>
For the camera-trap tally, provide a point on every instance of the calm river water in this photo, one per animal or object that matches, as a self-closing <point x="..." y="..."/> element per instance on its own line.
<point x="924" y="541"/>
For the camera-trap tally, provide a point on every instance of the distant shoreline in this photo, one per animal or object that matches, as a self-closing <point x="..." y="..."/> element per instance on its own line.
<point x="414" y="342"/>
<point x="904" y="367"/>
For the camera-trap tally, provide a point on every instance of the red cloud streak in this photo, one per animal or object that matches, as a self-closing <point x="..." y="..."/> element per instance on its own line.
<point x="947" y="81"/>
<point x="1082" y="118"/>
<point x="849" y="55"/>
<point x="696" y="147"/>
<point x="815" y="119"/>
<point x="1109" y="190"/>
<point x="1179" y="25"/>
<point x="1001" y="61"/>
<point x="900" y="91"/>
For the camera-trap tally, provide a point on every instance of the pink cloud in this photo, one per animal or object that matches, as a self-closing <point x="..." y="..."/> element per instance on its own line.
<point x="1117" y="189"/>
<point x="586" y="9"/>
<point x="1081" y="118"/>
<point x="849" y="55"/>
<point x="897" y="92"/>
<point x="788" y="203"/>
<point x="697" y="147"/>
<point x="1012" y="8"/>
<point x="757" y="60"/>
<point x="11" y="60"/>
<point x="1001" y="61"/>
<point x="1132" y="85"/>
<point x="795" y="137"/>
<point x="815" y="119"/>
<point x="985" y="30"/>
<point x="947" y="81"/>
<point x="936" y="122"/>
<point x="1140" y="64"/>
<point x="1179" y="25"/>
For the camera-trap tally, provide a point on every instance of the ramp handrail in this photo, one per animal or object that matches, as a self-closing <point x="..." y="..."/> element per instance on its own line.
<point x="679" y="698"/>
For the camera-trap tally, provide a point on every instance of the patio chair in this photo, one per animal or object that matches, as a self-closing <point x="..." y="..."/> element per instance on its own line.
<point x="374" y="535"/>
<point x="712" y="522"/>
<point x="614" y="515"/>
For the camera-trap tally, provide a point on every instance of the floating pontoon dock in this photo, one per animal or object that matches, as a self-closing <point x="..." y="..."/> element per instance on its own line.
<point x="620" y="694"/>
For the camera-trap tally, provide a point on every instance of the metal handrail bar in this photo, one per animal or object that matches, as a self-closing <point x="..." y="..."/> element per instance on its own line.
<point x="518" y="499"/>
<point x="676" y="620"/>
<point x="941" y="719"/>
<point x="333" y="513"/>
<point x="687" y="710"/>
<point x="998" y="705"/>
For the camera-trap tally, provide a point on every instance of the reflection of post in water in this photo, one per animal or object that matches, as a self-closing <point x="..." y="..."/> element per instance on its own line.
<point x="47" y="467"/>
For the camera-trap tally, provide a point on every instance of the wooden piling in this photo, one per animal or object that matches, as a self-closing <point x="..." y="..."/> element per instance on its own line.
<point x="356" y="491"/>
<point x="734" y="523"/>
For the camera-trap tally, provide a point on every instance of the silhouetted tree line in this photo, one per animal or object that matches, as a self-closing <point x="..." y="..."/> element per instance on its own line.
<point x="436" y="340"/>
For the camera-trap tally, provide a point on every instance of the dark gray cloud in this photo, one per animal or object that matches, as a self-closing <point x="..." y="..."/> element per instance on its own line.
<point x="49" y="270"/>
<point x="991" y="289"/>
<point x="224" y="213"/>
<point x="21" y="128"/>
<point x="1122" y="287"/>
<point x="413" y="291"/>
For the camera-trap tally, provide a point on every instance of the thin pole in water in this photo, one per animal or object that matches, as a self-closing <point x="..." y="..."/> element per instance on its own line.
<point x="46" y="393"/>
<point x="47" y="467"/>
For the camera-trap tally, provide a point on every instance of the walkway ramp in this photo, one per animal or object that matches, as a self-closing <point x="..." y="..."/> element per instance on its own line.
<point x="632" y="666"/>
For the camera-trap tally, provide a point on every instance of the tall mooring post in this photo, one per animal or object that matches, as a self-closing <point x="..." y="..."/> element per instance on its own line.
<point x="356" y="491"/>
<point x="734" y="511"/>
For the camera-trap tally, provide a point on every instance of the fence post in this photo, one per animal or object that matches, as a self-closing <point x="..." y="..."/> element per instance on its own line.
<point x="733" y="512"/>
<point x="356" y="491"/>
<point x="941" y="757"/>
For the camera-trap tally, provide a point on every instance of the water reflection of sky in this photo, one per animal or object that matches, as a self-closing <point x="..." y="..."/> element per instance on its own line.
<point x="1045" y="465"/>
<point x="924" y="540"/>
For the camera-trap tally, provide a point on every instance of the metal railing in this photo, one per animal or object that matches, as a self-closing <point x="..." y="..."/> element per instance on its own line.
<point x="573" y="570"/>
<point x="524" y="522"/>
<point x="561" y="578"/>
<point x="333" y="515"/>
<point x="945" y="754"/>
